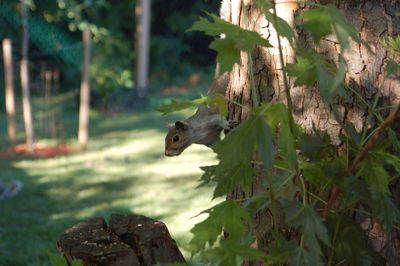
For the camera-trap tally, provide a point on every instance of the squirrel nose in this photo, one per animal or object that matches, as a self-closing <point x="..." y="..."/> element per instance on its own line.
<point x="167" y="153"/>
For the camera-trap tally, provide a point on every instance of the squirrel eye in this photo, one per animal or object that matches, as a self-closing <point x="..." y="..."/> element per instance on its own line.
<point x="176" y="138"/>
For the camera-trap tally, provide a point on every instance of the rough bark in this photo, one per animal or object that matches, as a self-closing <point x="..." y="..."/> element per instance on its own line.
<point x="127" y="240"/>
<point x="374" y="20"/>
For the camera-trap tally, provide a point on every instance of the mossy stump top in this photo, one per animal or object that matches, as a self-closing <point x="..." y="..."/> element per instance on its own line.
<point x="127" y="240"/>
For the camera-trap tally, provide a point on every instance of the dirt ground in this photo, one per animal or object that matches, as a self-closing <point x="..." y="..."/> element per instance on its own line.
<point x="39" y="151"/>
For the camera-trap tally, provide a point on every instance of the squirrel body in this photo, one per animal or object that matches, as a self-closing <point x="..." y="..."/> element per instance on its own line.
<point x="204" y="127"/>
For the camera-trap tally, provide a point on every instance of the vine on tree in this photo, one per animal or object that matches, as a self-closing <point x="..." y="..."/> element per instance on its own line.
<point x="308" y="164"/>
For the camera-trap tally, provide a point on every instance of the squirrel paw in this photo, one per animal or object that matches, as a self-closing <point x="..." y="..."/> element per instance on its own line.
<point x="231" y="125"/>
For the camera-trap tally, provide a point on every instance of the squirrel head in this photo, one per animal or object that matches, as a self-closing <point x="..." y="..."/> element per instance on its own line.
<point x="177" y="139"/>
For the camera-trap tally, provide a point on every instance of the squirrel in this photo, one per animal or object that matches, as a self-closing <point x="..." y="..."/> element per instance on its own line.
<point x="204" y="127"/>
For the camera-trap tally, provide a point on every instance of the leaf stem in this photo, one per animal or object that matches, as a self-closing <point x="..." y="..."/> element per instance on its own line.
<point x="388" y="122"/>
<point x="238" y="104"/>
<point x="332" y="253"/>
<point x="394" y="178"/>
<point x="316" y="197"/>
<point x="303" y="185"/>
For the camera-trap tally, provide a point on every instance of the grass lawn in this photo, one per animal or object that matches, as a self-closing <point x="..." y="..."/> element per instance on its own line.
<point x="124" y="170"/>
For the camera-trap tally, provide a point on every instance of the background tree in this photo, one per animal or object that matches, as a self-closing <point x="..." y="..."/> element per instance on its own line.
<point x="142" y="14"/>
<point x="9" y="94"/>
<point x="83" y="132"/>
<point x="24" y="72"/>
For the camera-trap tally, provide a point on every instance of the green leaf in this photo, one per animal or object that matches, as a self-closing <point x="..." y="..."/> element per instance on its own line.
<point x="215" y="99"/>
<point x="394" y="42"/>
<point x="257" y="203"/>
<point x="351" y="242"/>
<point x="230" y="253"/>
<point x="264" y="5"/>
<point x="392" y="69"/>
<point x="318" y="22"/>
<point x="337" y="87"/>
<point x="212" y="28"/>
<point x="374" y="173"/>
<point x="282" y="251"/>
<point x="280" y="25"/>
<point x="356" y="190"/>
<point x="227" y="216"/>
<point x="330" y="79"/>
<point x="287" y="144"/>
<point x="244" y="39"/>
<point x="312" y="67"/>
<point x="236" y="39"/>
<point x="325" y="79"/>
<point x="170" y="264"/>
<point x="326" y="171"/>
<point x="58" y="260"/>
<point x="317" y="146"/>
<point x="175" y="105"/>
<point x="385" y="209"/>
<point x="343" y="29"/>
<point x="388" y="159"/>
<point x="304" y="257"/>
<point x="235" y="153"/>
<point x="264" y="135"/>
<point x="309" y="222"/>
<point x="228" y="54"/>
<point x="322" y="21"/>
<point x="313" y="173"/>
<point x="277" y="115"/>
<point x="372" y="168"/>
<point x="304" y="71"/>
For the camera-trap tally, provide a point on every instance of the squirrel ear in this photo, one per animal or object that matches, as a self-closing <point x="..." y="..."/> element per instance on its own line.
<point x="181" y="125"/>
<point x="169" y="125"/>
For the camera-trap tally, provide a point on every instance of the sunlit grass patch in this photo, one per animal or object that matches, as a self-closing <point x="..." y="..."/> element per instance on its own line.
<point x="124" y="170"/>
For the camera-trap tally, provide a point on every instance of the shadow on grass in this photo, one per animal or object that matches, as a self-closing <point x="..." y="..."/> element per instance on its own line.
<point x="123" y="171"/>
<point x="56" y="199"/>
<point x="31" y="221"/>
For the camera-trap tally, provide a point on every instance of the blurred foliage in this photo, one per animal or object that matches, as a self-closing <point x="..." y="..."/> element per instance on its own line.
<point x="55" y="37"/>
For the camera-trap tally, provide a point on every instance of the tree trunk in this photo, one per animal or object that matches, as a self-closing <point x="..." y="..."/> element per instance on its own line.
<point x="83" y="133"/>
<point x="50" y="132"/>
<point x="373" y="19"/>
<point x="24" y="70"/>
<point x="9" y="85"/>
<point x="142" y="13"/>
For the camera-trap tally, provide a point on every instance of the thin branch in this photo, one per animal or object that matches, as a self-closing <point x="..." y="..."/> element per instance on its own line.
<point x="336" y="192"/>
<point x="388" y="123"/>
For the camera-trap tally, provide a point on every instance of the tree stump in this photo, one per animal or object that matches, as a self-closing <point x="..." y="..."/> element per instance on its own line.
<point x="127" y="240"/>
